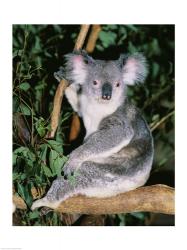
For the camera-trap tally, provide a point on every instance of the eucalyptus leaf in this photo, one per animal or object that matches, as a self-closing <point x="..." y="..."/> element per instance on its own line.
<point x="57" y="146"/>
<point x="34" y="215"/>
<point x="43" y="152"/>
<point x="56" y="162"/>
<point x="24" y="86"/>
<point x="24" y="109"/>
<point x="47" y="171"/>
<point x="16" y="176"/>
<point x="21" y="190"/>
<point x="138" y="215"/>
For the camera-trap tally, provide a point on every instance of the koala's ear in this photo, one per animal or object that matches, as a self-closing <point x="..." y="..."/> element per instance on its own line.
<point x="134" y="68"/>
<point x="77" y="66"/>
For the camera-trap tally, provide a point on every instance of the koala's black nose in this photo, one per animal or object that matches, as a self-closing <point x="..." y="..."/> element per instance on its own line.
<point x="106" y="91"/>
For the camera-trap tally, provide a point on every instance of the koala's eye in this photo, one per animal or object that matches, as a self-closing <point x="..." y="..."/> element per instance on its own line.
<point x="95" y="82"/>
<point x="117" y="84"/>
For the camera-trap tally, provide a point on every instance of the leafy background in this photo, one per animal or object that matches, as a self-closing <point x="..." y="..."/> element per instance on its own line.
<point x="37" y="53"/>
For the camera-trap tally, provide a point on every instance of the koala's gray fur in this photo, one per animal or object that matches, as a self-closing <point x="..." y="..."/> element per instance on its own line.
<point x="117" y="152"/>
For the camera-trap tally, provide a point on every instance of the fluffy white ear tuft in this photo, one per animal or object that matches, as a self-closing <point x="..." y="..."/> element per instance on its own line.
<point x="76" y="70"/>
<point x="134" y="67"/>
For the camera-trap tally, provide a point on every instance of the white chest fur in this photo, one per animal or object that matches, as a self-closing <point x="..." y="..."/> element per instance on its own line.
<point x="93" y="112"/>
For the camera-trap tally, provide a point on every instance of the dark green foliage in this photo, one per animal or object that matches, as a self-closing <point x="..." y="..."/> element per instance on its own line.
<point x="37" y="52"/>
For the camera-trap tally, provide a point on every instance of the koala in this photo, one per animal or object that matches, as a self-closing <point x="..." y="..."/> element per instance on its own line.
<point x="117" y="153"/>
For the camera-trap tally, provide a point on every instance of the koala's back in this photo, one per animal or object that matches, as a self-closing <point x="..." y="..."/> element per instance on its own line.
<point x="138" y="154"/>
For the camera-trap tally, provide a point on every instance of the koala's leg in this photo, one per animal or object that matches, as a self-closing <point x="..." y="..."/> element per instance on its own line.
<point x="88" y="176"/>
<point x="93" y="180"/>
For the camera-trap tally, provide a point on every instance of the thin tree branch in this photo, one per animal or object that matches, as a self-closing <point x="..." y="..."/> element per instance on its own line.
<point x="57" y="107"/>
<point x="155" y="97"/>
<point x="62" y="86"/>
<point x="157" y="199"/>
<point x="75" y="127"/>
<point x="81" y="37"/>
<point x="154" y="126"/>
<point x="93" y="38"/>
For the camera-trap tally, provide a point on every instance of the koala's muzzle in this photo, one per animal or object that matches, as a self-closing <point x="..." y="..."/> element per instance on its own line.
<point x="106" y="91"/>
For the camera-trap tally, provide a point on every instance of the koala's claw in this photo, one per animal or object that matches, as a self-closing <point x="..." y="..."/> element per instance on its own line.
<point x="68" y="170"/>
<point x="59" y="75"/>
<point x="45" y="210"/>
<point x="72" y="165"/>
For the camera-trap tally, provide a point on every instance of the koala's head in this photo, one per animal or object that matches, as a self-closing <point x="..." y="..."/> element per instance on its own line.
<point x="105" y="81"/>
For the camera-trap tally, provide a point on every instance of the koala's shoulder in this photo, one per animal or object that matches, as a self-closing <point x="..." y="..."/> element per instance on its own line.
<point x="129" y="111"/>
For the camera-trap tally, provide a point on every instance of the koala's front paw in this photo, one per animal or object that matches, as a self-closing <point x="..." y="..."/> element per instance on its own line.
<point x="68" y="169"/>
<point x="59" y="75"/>
<point x="71" y="166"/>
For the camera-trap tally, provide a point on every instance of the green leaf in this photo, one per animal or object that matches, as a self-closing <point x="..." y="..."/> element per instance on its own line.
<point x="37" y="47"/>
<point x="41" y="126"/>
<point x="41" y="130"/>
<point x="17" y="52"/>
<point x="24" y="86"/>
<point x="28" y="196"/>
<point x="72" y="180"/>
<point x="31" y="155"/>
<point x="57" y="146"/>
<point x="66" y="116"/>
<point x="107" y="38"/>
<point x="21" y="190"/>
<point x="138" y="215"/>
<point x="55" y="219"/>
<point x="155" y="70"/>
<point x="111" y="27"/>
<point x="16" y="104"/>
<point x="56" y="162"/>
<point x="155" y="117"/>
<point x="24" y="109"/>
<point x="14" y="158"/>
<point x="47" y="170"/>
<point x="26" y="153"/>
<point x="52" y="157"/>
<point x="99" y="47"/>
<point x="23" y="176"/>
<point x="16" y="176"/>
<point x="162" y="162"/>
<point x="34" y="215"/>
<point x="41" y="86"/>
<point x="155" y="48"/>
<point x="131" y="47"/>
<point x="122" y="218"/>
<point x="20" y="150"/>
<point x="133" y="28"/>
<point x="123" y="35"/>
<point x="122" y="31"/>
<point x="58" y="28"/>
<point x="43" y="153"/>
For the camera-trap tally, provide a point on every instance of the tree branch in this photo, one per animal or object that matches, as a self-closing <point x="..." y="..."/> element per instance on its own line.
<point x="157" y="124"/>
<point x="157" y="198"/>
<point x="81" y="37"/>
<point x="75" y="127"/>
<point x="62" y="86"/>
<point x="56" y="108"/>
<point x="93" y="38"/>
